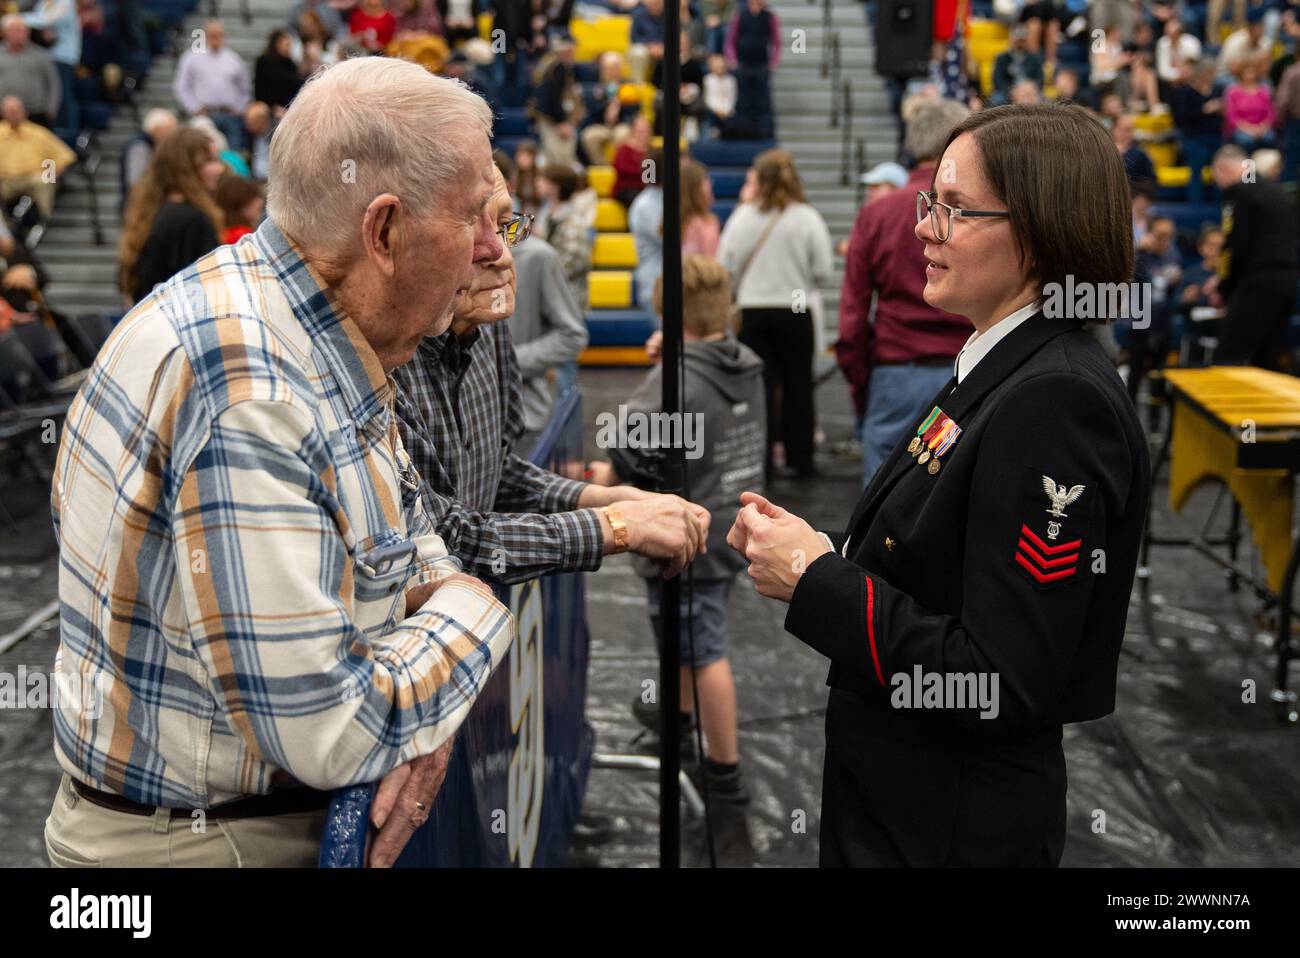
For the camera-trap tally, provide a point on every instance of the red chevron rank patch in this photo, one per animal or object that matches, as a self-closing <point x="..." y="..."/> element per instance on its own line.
<point x="1047" y="564"/>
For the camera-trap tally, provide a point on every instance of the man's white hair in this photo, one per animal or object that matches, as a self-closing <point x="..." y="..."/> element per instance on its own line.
<point x="363" y="127"/>
<point x="157" y="117"/>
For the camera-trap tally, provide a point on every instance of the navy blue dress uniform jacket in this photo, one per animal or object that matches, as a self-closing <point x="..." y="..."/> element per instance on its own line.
<point x="972" y="570"/>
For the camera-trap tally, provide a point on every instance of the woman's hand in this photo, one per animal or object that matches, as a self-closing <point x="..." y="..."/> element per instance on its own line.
<point x="602" y="473"/>
<point x="778" y="544"/>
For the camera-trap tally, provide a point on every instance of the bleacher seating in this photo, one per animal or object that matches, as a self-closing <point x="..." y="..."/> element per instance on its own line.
<point x="594" y="37"/>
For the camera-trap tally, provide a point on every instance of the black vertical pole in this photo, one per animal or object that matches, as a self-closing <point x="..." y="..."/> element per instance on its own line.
<point x="670" y="660"/>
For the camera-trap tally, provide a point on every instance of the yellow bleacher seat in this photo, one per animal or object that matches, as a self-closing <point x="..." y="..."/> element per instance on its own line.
<point x="982" y="29"/>
<point x="601" y="179"/>
<point x="611" y="217"/>
<point x="594" y="37"/>
<point x="1153" y="124"/>
<point x="613" y="251"/>
<point x="647" y="92"/>
<point x="610" y="289"/>
<point x="1162" y="154"/>
<point x="484" y="23"/>
<point x="985" y="39"/>
<point x="1176" y="176"/>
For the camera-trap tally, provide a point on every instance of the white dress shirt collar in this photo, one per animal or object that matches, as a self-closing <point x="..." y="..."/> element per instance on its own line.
<point x="981" y="344"/>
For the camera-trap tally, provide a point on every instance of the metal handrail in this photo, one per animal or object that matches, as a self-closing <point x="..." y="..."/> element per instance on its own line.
<point x="828" y="38"/>
<point x="834" y="48"/>
<point x="847" y="135"/>
<point x="89" y="160"/>
<point x="860" y="162"/>
<point x="245" y="12"/>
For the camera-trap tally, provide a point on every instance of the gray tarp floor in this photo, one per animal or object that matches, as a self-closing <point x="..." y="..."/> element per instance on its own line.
<point x="1185" y="773"/>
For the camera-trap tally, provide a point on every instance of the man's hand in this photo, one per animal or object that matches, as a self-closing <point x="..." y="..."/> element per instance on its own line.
<point x="402" y="803"/>
<point x="417" y="595"/>
<point x="595" y="495"/>
<point x="667" y="528"/>
<point x="778" y="544"/>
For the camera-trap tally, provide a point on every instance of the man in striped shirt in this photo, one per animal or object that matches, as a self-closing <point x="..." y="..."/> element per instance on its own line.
<point x="252" y="593"/>
<point x="460" y="412"/>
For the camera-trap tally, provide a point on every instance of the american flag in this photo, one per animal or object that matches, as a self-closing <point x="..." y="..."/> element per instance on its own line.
<point x="949" y="74"/>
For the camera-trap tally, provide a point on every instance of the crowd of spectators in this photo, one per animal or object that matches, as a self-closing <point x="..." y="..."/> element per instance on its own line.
<point x="1178" y="85"/>
<point x="1222" y="76"/>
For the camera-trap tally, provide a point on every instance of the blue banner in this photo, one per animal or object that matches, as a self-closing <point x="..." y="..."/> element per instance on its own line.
<point x="519" y="767"/>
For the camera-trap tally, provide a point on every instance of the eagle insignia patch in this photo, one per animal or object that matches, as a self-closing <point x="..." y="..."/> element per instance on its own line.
<point x="1060" y="496"/>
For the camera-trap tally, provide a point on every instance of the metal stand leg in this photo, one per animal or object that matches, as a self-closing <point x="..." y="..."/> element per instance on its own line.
<point x="1144" y="567"/>
<point x="1234" y="540"/>
<point x="1285" y="699"/>
<point x="650" y="763"/>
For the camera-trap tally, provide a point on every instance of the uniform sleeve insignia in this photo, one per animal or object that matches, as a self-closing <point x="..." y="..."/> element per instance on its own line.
<point x="1060" y="496"/>
<point x="1047" y="564"/>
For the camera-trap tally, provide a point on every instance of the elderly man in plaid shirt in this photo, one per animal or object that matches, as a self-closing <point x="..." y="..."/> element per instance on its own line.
<point x="460" y="411"/>
<point x="248" y="575"/>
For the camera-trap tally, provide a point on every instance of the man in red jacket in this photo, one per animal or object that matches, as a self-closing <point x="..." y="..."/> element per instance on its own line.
<point x="896" y="361"/>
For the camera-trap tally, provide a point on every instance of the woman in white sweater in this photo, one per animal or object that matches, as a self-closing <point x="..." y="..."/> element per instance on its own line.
<point x="778" y="251"/>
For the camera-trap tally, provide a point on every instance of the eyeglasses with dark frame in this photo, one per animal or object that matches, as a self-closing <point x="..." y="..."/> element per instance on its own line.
<point x="927" y="204"/>
<point x="518" y="229"/>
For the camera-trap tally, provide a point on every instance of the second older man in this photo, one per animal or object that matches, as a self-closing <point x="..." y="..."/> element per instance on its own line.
<point x="460" y="411"/>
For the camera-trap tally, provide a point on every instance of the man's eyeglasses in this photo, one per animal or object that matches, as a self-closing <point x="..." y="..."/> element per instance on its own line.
<point x="517" y="230"/>
<point x="941" y="214"/>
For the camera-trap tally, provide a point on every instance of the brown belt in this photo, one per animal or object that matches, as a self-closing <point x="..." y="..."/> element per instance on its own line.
<point x="286" y="801"/>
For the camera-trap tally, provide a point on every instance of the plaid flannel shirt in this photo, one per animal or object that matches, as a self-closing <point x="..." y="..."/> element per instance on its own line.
<point x="225" y="481"/>
<point x="460" y="410"/>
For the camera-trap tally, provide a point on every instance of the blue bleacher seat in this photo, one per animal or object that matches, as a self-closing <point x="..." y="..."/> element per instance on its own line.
<point x="619" y="327"/>
<point x="1188" y="217"/>
<point x="512" y="123"/>
<point x="722" y="209"/>
<point x="729" y="152"/>
<point x="727" y="182"/>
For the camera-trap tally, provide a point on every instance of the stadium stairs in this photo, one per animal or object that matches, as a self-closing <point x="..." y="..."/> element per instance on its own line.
<point x="83" y="274"/>
<point x="803" y="100"/>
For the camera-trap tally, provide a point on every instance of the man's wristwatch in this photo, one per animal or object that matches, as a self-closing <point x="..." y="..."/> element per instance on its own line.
<point x="619" y="526"/>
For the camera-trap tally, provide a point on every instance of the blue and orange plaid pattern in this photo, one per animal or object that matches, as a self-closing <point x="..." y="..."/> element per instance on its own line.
<point x="227" y="477"/>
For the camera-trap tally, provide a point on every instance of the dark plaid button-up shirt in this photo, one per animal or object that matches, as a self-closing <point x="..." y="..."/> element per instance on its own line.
<point x="459" y="412"/>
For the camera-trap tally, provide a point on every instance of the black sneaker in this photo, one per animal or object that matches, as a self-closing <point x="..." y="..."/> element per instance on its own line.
<point x="726" y="787"/>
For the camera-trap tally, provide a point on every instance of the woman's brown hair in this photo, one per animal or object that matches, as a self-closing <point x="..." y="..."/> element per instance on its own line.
<point x="565" y="178"/>
<point x="778" y="181"/>
<point x="1063" y="182"/>
<point x="233" y="194"/>
<point x="173" y="169"/>
<point x="694" y="176"/>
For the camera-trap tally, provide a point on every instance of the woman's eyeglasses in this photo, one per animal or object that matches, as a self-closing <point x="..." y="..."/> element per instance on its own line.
<point x="517" y="230"/>
<point x="941" y="214"/>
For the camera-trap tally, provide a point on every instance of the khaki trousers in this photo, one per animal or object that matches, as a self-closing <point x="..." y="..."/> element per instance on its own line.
<point x="81" y="834"/>
<point x="42" y="193"/>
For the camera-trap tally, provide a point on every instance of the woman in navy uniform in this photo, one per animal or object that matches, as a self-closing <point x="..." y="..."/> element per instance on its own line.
<point x="976" y="600"/>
